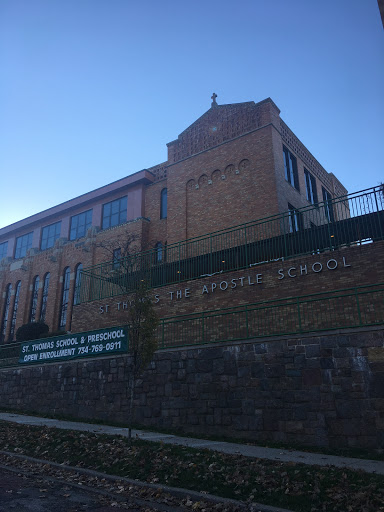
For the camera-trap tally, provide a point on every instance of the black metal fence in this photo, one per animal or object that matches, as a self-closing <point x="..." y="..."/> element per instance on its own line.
<point x="345" y="221"/>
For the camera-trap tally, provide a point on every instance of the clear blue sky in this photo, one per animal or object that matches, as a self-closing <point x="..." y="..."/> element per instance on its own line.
<point x="92" y="90"/>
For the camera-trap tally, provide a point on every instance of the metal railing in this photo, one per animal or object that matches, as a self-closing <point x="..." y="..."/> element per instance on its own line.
<point x="9" y="354"/>
<point x="340" y="309"/>
<point x="344" y="221"/>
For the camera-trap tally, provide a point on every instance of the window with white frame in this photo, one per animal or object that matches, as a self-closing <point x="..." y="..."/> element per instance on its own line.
<point x="290" y="166"/>
<point x="310" y="186"/>
<point x="294" y="218"/>
<point x="328" y="208"/>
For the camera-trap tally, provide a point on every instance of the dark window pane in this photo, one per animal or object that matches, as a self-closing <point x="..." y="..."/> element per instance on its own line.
<point x="114" y="213"/>
<point x="23" y="243"/>
<point x="44" y="298"/>
<point x="163" y="204"/>
<point x="64" y="299"/>
<point x="295" y="219"/>
<point x="328" y="208"/>
<point x="35" y="294"/>
<point x="290" y="167"/>
<point x="49" y="235"/>
<point x="310" y="185"/>
<point x="80" y="224"/>
<point x="15" y="308"/>
<point x="76" y="298"/>
<point x="4" y="322"/>
<point x="3" y="250"/>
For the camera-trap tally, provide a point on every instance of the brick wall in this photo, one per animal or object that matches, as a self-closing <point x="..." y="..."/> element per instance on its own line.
<point x="325" y="390"/>
<point x="88" y="251"/>
<point x="356" y="266"/>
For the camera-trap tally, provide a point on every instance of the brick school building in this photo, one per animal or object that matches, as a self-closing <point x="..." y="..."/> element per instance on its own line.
<point x="240" y="212"/>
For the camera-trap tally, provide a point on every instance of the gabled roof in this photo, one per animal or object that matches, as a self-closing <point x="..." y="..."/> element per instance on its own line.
<point x="223" y="112"/>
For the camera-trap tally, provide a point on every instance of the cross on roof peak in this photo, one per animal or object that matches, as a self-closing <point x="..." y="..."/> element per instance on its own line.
<point x="213" y="98"/>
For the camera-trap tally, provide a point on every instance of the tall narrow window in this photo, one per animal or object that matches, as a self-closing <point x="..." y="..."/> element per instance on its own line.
<point x="295" y="219"/>
<point x="159" y="252"/>
<point x="76" y="298"/>
<point x="310" y="186"/>
<point x="116" y="258"/>
<point x="23" y="243"/>
<point x="163" y="204"/>
<point x="328" y="209"/>
<point x="44" y="299"/>
<point x="3" y="250"/>
<point x="64" y="299"/>
<point x="114" y="213"/>
<point x="15" y="308"/>
<point x="49" y="234"/>
<point x="8" y="293"/>
<point x="35" y="294"/>
<point x="290" y="165"/>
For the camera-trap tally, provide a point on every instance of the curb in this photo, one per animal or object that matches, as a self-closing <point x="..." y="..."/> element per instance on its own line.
<point x="177" y="492"/>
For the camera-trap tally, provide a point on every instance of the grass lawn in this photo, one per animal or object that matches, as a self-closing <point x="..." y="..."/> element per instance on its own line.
<point x="295" y="486"/>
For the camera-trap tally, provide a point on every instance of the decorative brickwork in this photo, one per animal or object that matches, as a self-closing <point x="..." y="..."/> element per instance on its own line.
<point x="160" y="171"/>
<point x="301" y="151"/>
<point x="216" y="126"/>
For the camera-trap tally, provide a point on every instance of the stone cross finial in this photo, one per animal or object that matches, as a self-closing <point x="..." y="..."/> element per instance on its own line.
<point x="213" y="97"/>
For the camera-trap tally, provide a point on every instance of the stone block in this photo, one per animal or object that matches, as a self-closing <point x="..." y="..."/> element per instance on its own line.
<point x="312" y="351"/>
<point x="294" y="426"/>
<point x="377" y="385"/>
<point x="328" y="342"/>
<point x="299" y="360"/>
<point x="326" y="363"/>
<point x="260" y="348"/>
<point x="293" y="372"/>
<point x="274" y="370"/>
<point x="376" y="354"/>
<point x="257" y="370"/>
<point x="351" y="408"/>
<point x="244" y="371"/>
<point x="163" y="366"/>
<point x="311" y="377"/>
<point x="218" y="366"/>
<point x="240" y="423"/>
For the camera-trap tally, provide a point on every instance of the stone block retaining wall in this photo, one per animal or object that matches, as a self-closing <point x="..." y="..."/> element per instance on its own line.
<point x="325" y="390"/>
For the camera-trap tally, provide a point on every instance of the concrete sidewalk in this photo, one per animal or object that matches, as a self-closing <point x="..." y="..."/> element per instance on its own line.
<point x="369" y="466"/>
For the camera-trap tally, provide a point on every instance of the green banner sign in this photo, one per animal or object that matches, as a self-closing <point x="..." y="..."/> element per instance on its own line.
<point x="71" y="346"/>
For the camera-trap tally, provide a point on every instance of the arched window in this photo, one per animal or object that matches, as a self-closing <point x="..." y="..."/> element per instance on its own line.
<point x="158" y="252"/>
<point x="35" y="293"/>
<point x="163" y="204"/>
<point x="15" y="308"/>
<point x="44" y="298"/>
<point x="76" y="297"/>
<point x="64" y="299"/>
<point x="8" y="293"/>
